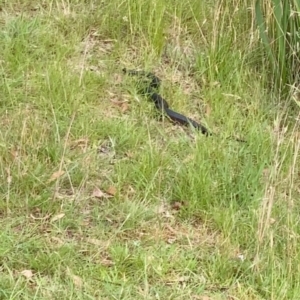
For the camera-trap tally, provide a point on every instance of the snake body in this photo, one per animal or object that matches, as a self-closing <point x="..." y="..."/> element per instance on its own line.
<point x="151" y="90"/>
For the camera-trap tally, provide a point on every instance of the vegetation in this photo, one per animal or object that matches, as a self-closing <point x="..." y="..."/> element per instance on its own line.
<point x="102" y="200"/>
<point x="279" y="29"/>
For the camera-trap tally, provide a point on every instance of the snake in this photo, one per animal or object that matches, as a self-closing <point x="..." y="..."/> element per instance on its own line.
<point x="151" y="90"/>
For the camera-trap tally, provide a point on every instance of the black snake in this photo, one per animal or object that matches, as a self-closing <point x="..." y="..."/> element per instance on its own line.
<point x="151" y="90"/>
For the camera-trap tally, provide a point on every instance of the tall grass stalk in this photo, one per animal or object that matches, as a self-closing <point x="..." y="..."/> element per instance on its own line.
<point x="278" y="22"/>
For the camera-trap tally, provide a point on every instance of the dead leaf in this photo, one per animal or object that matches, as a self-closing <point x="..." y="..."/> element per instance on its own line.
<point x="57" y="242"/>
<point x="77" y="281"/>
<point x="96" y="242"/>
<point x="180" y="279"/>
<point x="27" y="273"/>
<point x="97" y="193"/>
<point x="41" y="218"/>
<point x="168" y="215"/>
<point x="171" y="241"/>
<point x="161" y="209"/>
<point x="216" y="84"/>
<point x="266" y="174"/>
<point x="130" y="190"/>
<point x="129" y="154"/>
<point x="80" y="143"/>
<point x="107" y="262"/>
<point x="124" y="107"/>
<point x="9" y="177"/>
<point x="196" y="297"/>
<point x="105" y="148"/>
<point x="117" y="78"/>
<point x="232" y="96"/>
<point x="14" y="153"/>
<point x="122" y="104"/>
<point x="177" y="205"/>
<point x="56" y="175"/>
<point x="207" y="110"/>
<point x="117" y="102"/>
<point x="188" y="159"/>
<point x="111" y="191"/>
<point x="57" y="217"/>
<point x="241" y="257"/>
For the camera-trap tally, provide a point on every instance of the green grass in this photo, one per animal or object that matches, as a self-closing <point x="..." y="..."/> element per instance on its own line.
<point x="188" y="217"/>
<point x="278" y="23"/>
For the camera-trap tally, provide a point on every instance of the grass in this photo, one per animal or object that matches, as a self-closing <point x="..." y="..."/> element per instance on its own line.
<point x="278" y="24"/>
<point x="100" y="199"/>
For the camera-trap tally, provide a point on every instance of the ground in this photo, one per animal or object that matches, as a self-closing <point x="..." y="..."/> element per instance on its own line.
<point x="100" y="198"/>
